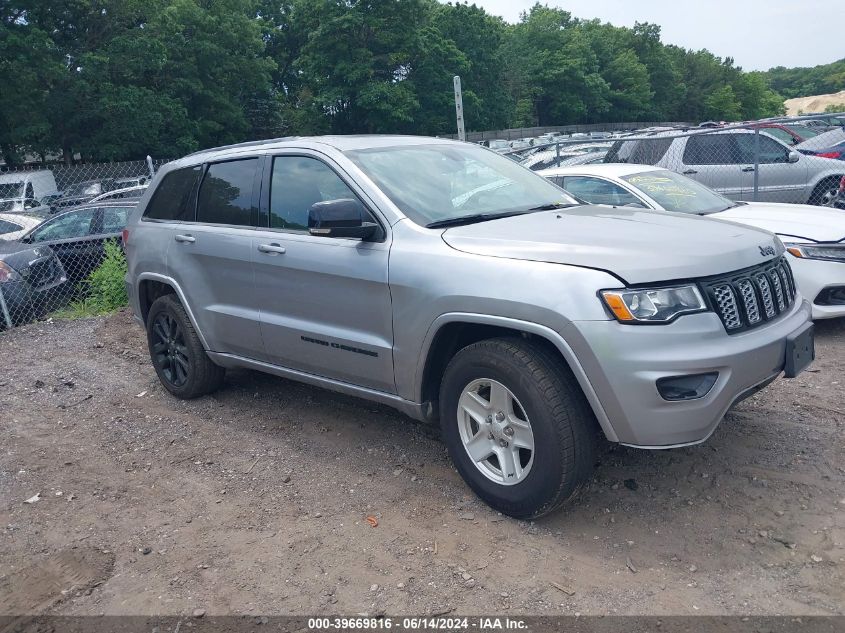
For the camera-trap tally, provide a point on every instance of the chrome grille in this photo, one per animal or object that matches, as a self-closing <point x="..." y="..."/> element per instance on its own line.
<point x="777" y="284"/>
<point x="751" y="297"/>
<point x="766" y="293"/>
<point x="728" y="310"/>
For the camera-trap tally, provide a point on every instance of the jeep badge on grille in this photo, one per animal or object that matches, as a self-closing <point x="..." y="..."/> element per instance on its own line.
<point x="767" y="250"/>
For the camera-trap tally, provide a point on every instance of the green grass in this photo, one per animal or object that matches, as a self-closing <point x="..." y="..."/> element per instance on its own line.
<point x="102" y="292"/>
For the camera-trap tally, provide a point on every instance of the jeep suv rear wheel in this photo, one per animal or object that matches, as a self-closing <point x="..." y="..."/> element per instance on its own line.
<point x="517" y="426"/>
<point x="177" y="353"/>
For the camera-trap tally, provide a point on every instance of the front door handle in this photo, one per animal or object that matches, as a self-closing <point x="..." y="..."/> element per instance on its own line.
<point x="272" y="249"/>
<point x="185" y="239"/>
<point x="748" y="169"/>
<point x="690" y="172"/>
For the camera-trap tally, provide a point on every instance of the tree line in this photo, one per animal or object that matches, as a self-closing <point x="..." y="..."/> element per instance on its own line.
<point x="119" y="79"/>
<point x="807" y="82"/>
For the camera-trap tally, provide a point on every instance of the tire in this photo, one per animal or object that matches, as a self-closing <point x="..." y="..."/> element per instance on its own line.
<point x="182" y="365"/>
<point x="824" y="191"/>
<point x="542" y="391"/>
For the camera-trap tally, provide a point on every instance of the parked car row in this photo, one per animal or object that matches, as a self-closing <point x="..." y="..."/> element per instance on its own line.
<point x="36" y="189"/>
<point x="44" y="257"/>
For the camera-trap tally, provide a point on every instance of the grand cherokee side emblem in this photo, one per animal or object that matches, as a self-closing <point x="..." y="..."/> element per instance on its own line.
<point x="767" y="250"/>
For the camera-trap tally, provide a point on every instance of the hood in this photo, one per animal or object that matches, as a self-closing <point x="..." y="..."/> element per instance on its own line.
<point x="804" y="221"/>
<point x="639" y="246"/>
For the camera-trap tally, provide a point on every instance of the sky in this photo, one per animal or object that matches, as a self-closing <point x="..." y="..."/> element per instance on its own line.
<point x="758" y="34"/>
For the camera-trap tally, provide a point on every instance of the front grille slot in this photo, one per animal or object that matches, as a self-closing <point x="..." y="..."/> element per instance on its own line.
<point x="749" y="298"/>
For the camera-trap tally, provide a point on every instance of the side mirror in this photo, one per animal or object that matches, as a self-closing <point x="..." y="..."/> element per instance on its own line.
<point x="794" y="157"/>
<point x="343" y="217"/>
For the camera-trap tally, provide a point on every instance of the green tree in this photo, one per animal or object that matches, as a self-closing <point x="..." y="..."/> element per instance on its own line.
<point x="723" y="105"/>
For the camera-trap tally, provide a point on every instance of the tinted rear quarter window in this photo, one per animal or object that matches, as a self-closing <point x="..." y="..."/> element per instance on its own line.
<point x="172" y="198"/>
<point x="226" y="193"/>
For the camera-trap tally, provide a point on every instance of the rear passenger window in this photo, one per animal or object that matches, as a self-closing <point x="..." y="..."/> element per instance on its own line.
<point x="225" y="196"/>
<point x="298" y="182"/>
<point x="114" y="219"/>
<point x="172" y="199"/>
<point x="712" y="149"/>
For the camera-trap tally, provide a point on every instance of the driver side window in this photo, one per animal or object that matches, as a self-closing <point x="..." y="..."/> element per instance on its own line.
<point x="297" y="183"/>
<point x="770" y="150"/>
<point x="67" y="226"/>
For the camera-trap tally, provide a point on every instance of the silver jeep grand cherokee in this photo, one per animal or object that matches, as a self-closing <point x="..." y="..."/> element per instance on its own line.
<point x="449" y="282"/>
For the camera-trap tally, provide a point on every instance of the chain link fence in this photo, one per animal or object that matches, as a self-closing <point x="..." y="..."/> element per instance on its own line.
<point x="60" y="233"/>
<point x="60" y="225"/>
<point x="798" y="160"/>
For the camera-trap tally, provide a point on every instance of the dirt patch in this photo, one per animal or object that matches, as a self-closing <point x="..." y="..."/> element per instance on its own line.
<point x="45" y="582"/>
<point x="255" y="500"/>
<point x="817" y="103"/>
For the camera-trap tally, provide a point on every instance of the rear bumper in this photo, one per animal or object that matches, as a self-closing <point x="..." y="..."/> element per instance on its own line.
<point x="624" y="362"/>
<point x="813" y="276"/>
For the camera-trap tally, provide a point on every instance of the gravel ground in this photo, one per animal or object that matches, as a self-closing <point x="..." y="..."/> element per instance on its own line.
<point x="254" y="501"/>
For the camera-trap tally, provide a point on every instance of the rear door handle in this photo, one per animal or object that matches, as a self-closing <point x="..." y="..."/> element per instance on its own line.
<point x="186" y="239"/>
<point x="273" y="249"/>
<point x="690" y="172"/>
<point x="748" y="169"/>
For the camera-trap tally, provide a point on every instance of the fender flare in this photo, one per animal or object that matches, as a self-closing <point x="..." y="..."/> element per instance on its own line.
<point x="182" y="299"/>
<point x="523" y="326"/>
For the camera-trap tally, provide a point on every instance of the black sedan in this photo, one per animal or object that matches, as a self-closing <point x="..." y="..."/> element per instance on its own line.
<point x="32" y="282"/>
<point x="78" y="235"/>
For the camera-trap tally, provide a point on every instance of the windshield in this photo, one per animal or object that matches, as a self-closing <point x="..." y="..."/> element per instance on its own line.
<point x="11" y="190"/>
<point x="674" y="192"/>
<point x="432" y="183"/>
<point x="84" y="189"/>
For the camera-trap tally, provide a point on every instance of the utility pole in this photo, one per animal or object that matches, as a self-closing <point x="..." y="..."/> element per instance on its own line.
<point x="459" y="108"/>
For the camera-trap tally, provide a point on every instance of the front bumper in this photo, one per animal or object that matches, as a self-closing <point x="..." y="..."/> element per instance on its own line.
<point x="624" y="362"/>
<point x="812" y="276"/>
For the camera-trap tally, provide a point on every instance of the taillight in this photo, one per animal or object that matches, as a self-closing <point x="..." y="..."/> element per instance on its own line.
<point x="125" y="236"/>
<point x="829" y="155"/>
<point x="7" y="273"/>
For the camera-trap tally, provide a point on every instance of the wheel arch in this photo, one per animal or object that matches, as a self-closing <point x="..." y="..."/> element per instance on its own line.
<point x="151" y="286"/>
<point x="452" y="332"/>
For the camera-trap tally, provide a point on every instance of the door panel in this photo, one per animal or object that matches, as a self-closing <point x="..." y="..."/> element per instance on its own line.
<point x="714" y="161"/>
<point x="215" y="273"/>
<point x="778" y="180"/>
<point x="325" y="306"/>
<point x="213" y="262"/>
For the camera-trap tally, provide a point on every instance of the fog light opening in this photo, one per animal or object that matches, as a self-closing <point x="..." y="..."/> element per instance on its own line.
<point x="834" y="296"/>
<point x="689" y="387"/>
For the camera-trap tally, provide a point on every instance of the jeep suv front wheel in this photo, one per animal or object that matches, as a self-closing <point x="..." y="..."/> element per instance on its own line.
<point x="177" y="353"/>
<point x="517" y="426"/>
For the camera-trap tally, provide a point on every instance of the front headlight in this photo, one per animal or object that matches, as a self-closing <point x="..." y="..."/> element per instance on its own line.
<point x="654" y="305"/>
<point x="827" y="252"/>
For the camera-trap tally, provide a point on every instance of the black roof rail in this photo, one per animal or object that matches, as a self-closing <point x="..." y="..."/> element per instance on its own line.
<point x="266" y="141"/>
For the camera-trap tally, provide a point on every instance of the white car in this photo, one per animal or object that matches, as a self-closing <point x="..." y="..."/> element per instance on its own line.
<point x="15" y="225"/>
<point x="814" y="236"/>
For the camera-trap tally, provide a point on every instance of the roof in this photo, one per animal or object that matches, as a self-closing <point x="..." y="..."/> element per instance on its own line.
<point x="340" y="142"/>
<point x="613" y="170"/>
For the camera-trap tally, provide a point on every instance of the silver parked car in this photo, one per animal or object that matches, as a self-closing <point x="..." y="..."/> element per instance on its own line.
<point x="445" y="280"/>
<point x="724" y="160"/>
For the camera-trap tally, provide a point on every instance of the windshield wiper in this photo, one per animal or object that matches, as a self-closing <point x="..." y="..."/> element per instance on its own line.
<point x="551" y="206"/>
<point x="471" y="219"/>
